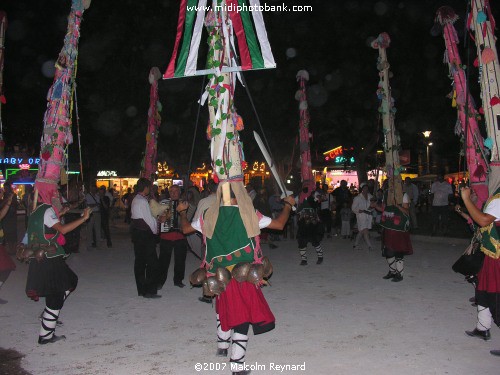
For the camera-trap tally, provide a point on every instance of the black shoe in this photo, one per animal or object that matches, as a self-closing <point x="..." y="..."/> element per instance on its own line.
<point x="397" y="277"/>
<point x="151" y="295"/>
<point x="390" y="275"/>
<point x="180" y="285"/>
<point x="495" y="352"/>
<point x="221" y="352"/>
<point x="52" y="340"/>
<point x="205" y="299"/>
<point x="319" y="261"/>
<point x="485" y="335"/>
<point x="303" y="262"/>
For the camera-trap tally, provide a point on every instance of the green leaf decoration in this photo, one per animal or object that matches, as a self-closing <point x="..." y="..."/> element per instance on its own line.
<point x="218" y="162"/>
<point x="222" y="90"/>
<point x="229" y="135"/>
<point x="228" y="165"/>
<point x="223" y="116"/>
<point x="211" y="92"/>
<point x="221" y="170"/>
<point x="220" y="79"/>
<point x="216" y="131"/>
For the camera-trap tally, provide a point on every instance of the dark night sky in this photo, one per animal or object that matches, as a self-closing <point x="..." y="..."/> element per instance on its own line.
<point x="121" y="40"/>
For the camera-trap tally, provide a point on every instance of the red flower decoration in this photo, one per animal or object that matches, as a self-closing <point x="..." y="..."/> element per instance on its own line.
<point x="495" y="100"/>
<point x="46" y="155"/>
<point x="244" y="164"/>
<point x="215" y="178"/>
<point x="2" y="99"/>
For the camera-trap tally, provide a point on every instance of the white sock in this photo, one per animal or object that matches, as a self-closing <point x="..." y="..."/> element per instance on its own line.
<point x="400" y="266"/>
<point x="238" y="348"/>
<point x="49" y="321"/>
<point x="392" y="264"/>
<point x="223" y="337"/>
<point x="483" y="318"/>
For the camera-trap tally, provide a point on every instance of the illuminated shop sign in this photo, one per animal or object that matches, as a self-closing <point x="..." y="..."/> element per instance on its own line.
<point x="107" y="174"/>
<point x="18" y="161"/>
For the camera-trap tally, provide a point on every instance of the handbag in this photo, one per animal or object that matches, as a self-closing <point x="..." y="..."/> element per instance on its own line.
<point x="471" y="261"/>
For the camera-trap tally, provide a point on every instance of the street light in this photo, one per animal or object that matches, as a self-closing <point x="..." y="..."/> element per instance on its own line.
<point x="428" y="159"/>
<point x="427" y="134"/>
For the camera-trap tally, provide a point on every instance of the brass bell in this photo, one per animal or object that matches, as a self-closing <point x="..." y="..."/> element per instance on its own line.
<point x="255" y="274"/>
<point x="240" y="271"/>
<point x="223" y="276"/>
<point x="214" y="286"/>
<point x="198" y="276"/>
<point x="206" y="289"/>
<point x="39" y="254"/>
<point x="268" y="267"/>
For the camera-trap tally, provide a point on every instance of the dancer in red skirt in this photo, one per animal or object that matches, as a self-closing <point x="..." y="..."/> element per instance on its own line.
<point x="488" y="288"/>
<point x="396" y="241"/>
<point x="242" y="303"/>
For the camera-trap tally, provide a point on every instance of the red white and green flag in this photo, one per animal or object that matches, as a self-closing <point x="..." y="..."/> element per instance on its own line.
<point x="248" y="33"/>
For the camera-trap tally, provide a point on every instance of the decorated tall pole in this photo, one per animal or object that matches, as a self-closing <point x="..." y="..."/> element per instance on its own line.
<point x="387" y="111"/>
<point x="467" y="114"/>
<point x="57" y="120"/>
<point x="227" y="21"/>
<point x="3" y="27"/>
<point x="304" y="134"/>
<point x="150" y="166"/>
<point x="482" y="23"/>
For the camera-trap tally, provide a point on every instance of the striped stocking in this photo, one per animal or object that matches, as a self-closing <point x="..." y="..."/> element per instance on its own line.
<point x="48" y="326"/>
<point x="483" y="318"/>
<point x="223" y="337"/>
<point x="400" y="266"/>
<point x="319" y="251"/>
<point x="238" y="348"/>
<point x="303" y="255"/>
<point x="392" y="265"/>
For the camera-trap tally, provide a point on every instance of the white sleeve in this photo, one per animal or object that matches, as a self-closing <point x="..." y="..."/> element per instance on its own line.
<point x="196" y="224"/>
<point x="264" y="221"/>
<point x="50" y="218"/>
<point x="493" y="209"/>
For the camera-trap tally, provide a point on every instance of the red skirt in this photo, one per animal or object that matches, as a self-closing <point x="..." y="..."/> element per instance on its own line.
<point x="244" y="303"/>
<point x="6" y="263"/>
<point x="489" y="276"/>
<point x="397" y="241"/>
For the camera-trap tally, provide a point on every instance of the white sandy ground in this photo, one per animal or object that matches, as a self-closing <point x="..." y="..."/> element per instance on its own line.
<point x="340" y="317"/>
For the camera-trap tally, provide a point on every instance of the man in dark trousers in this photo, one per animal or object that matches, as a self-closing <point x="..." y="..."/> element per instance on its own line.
<point x="172" y="240"/>
<point x="144" y="228"/>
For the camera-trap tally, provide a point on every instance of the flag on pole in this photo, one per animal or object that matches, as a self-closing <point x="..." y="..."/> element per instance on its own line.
<point x="251" y="38"/>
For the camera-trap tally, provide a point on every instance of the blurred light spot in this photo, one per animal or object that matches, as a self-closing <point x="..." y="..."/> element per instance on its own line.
<point x="131" y="111"/>
<point x="291" y="53"/>
<point x="380" y="8"/>
<point x="48" y="68"/>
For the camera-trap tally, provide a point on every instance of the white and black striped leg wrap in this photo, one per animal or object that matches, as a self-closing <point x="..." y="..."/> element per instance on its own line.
<point x="400" y="266"/>
<point x="239" y="348"/>
<point x="392" y="265"/>
<point x="303" y="254"/>
<point x="223" y="337"/>
<point x="483" y="318"/>
<point x="319" y="251"/>
<point x="49" y="321"/>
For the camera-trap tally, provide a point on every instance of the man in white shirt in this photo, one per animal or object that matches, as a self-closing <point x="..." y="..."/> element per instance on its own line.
<point x="144" y="230"/>
<point x="440" y="193"/>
